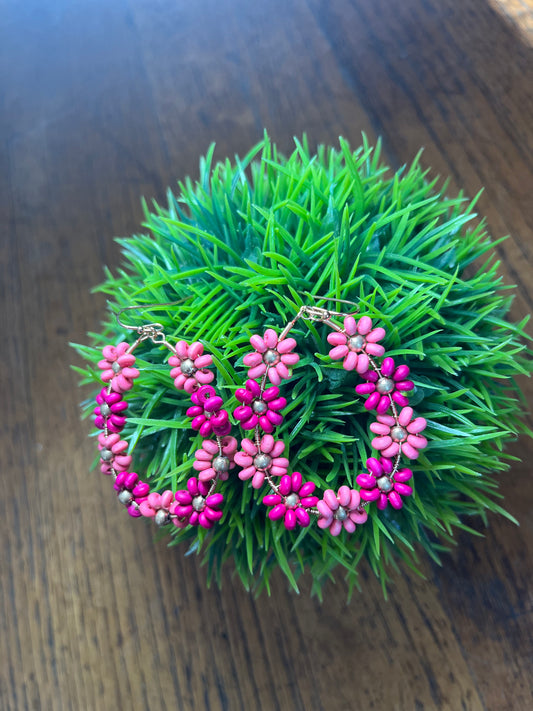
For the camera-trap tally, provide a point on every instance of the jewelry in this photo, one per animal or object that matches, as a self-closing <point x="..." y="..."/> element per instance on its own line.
<point x="293" y="500"/>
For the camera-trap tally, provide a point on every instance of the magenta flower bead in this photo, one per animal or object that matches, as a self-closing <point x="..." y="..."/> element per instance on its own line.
<point x="341" y="510"/>
<point x="356" y="343"/>
<point x="131" y="492"/>
<point x="113" y="453"/>
<point x="260" y="461"/>
<point x="157" y="506"/>
<point x="259" y="410"/>
<point x="207" y="416"/>
<point x="379" y="486"/>
<point x="189" y="366"/>
<point x="117" y="367"/>
<point x="404" y="437"/>
<point x="211" y="463"/>
<point x="271" y="356"/>
<point x="110" y="411"/>
<point x="392" y="382"/>
<point x="291" y="504"/>
<point x="193" y="506"/>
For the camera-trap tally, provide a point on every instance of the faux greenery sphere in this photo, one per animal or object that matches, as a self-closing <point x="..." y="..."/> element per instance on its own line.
<point x="241" y="248"/>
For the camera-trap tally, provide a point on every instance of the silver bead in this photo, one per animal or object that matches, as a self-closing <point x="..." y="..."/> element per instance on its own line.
<point x="115" y="367"/>
<point x="221" y="463"/>
<point x="340" y="514"/>
<point x="270" y="357"/>
<point x="262" y="461"/>
<point x="187" y="367"/>
<point x="106" y="455"/>
<point x="105" y="410"/>
<point x="198" y="503"/>
<point x="291" y="501"/>
<point x="259" y="407"/>
<point x="384" y="484"/>
<point x="125" y="497"/>
<point x="356" y="343"/>
<point x="398" y="433"/>
<point x="161" y="518"/>
<point x="385" y="385"/>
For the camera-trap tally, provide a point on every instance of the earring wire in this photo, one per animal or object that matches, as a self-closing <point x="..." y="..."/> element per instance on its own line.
<point x="139" y="307"/>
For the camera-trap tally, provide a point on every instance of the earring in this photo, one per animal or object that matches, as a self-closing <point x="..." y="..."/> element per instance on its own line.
<point x="198" y="504"/>
<point x="399" y="434"/>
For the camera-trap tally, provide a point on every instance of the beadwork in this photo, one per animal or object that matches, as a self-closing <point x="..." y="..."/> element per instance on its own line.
<point x="386" y="385"/>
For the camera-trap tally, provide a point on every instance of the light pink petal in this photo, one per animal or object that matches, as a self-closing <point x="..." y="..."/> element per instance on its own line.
<point x="362" y="363"/>
<point x="190" y="385"/>
<point x="290" y="358"/>
<point x="381" y="442"/>
<point x="274" y="376"/>
<point x="286" y="345"/>
<point x="130" y="373"/>
<point x="154" y="499"/>
<point x="386" y="420"/>
<point x="201" y="465"/>
<point x="207" y="474"/>
<point x="350" y="325"/>
<point x="109" y="352"/>
<point x="195" y="350"/>
<point x="267" y="443"/>
<point x="119" y="382"/>
<point x="418" y="441"/>
<point x="392" y="450"/>
<point x="257" y="372"/>
<point x="126" y="360"/>
<point x="358" y="516"/>
<point x="417" y="425"/>
<point x="324" y="509"/>
<point x="404" y="418"/>
<point x="122" y="348"/>
<point x="349" y="525"/>
<point x="107" y="375"/>
<point x="283" y="371"/>
<point x="280" y="461"/>
<point x="182" y="349"/>
<point x="378" y="334"/>
<point x="331" y="499"/>
<point x="243" y="460"/>
<point x="180" y="381"/>
<point x="355" y="499"/>
<point x="258" y="343"/>
<point x="278" y="448"/>
<point x="210" y="446"/>
<point x="374" y="349"/>
<point x="203" y="361"/>
<point x="350" y="361"/>
<point x="277" y="470"/>
<point x="252" y="359"/>
<point x="379" y="428"/>
<point x="324" y="522"/>
<point x="335" y="528"/>
<point x="258" y="480"/>
<point x="338" y="352"/>
<point x="249" y="447"/>
<point x="247" y="473"/>
<point x="344" y="495"/>
<point x="229" y="445"/>
<point x="270" y="338"/>
<point x="409" y="451"/>
<point x="364" y="325"/>
<point x="337" y="339"/>
<point x="146" y="509"/>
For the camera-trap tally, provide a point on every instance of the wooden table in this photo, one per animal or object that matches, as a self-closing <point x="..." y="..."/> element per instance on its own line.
<point x="103" y="102"/>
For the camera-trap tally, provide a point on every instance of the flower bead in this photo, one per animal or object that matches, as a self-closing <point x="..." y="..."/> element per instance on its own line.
<point x="290" y="504"/>
<point x="157" y="506"/>
<point x="110" y="411"/>
<point x="113" y="453"/>
<point x="117" y="367"/>
<point x="271" y="356"/>
<point x="356" y="343"/>
<point x="207" y="416"/>
<point x="131" y="492"/>
<point x="259" y="409"/>
<point x="404" y="436"/>
<point x="379" y="486"/>
<point x="210" y="462"/>
<point x="193" y="506"/>
<point x="382" y="388"/>
<point x="342" y="510"/>
<point x="262" y="460"/>
<point x="188" y="366"/>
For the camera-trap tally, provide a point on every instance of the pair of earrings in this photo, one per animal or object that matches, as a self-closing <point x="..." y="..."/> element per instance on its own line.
<point x="260" y="456"/>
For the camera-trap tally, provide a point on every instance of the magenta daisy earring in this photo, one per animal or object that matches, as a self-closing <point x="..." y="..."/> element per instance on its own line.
<point x="357" y="342"/>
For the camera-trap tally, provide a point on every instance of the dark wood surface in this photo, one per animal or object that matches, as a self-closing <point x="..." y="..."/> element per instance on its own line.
<point x="102" y="102"/>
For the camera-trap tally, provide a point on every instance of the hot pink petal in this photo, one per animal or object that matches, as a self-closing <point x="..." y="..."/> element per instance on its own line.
<point x="382" y="502"/>
<point x="403" y="489"/>
<point x="302" y="517"/>
<point x="369" y="495"/>
<point x="366" y="481"/>
<point x="395" y="500"/>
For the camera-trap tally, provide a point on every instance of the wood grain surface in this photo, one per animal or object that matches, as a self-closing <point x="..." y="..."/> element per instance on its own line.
<point x="102" y="102"/>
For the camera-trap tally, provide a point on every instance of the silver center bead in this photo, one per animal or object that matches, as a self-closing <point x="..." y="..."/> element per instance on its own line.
<point x="398" y="433"/>
<point x="115" y="367"/>
<point x="356" y="343"/>
<point x="105" y="410"/>
<point x="198" y="503"/>
<point x="270" y="357"/>
<point x="187" y="366"/>
<point x="125" y="497"/>
<point x="384" y="484"/>
<point x="262" y="461"/>
<point x="106" y="455"/>
<point x="259" y="407"/>
<point x="221" y="463"/>
<point x="385" y="385"/>
<point x="161" y="518"/>
<point x="291" y="501"/>
<point x="340" y="514"/>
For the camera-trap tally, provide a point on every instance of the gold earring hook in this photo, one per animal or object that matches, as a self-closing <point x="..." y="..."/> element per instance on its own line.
<point x="317" y="313"/>
<point x="140" y="307"/>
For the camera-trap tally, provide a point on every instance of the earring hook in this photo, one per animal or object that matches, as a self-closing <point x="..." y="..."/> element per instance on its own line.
<point x="318" y="313"/>
<point x="140" y="307"/>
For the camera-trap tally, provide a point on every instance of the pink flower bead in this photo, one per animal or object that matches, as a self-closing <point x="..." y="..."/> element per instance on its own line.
<point x="389" y="385"/>
<point x="291" y="504"/>
<point x="356" y="343"/>
<point x="157" y="506"/>
<point x="113" y="453"/>
<point x="260" y="461"/>
<point x="404" y="437"/>
<point x="189" y="364"/>
<point x="210" y="462"/>
<point x="271" y="356"/>
<point x="117" y="367"/>
<point x="259" y="409"/>
<point x="110" y="411"/>
<point x="193" y="506"/>
<point x="379" y="486"/>
<point x="342" y="510"/>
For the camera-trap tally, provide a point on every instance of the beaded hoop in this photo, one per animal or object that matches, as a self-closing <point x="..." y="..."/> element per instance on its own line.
<point x="294" y="500"/>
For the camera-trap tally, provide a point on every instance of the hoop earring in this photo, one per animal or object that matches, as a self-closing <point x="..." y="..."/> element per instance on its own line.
<point x="293" y="500"/>
<point x="198" y="504"/>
